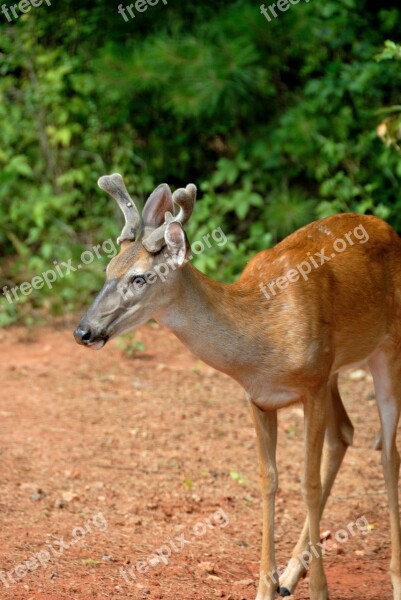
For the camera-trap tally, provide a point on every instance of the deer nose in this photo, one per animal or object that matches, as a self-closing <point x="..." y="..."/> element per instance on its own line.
<point x="83" y="335"/>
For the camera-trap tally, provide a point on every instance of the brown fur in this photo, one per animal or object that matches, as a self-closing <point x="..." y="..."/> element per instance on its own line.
<point x="131" y="252"/>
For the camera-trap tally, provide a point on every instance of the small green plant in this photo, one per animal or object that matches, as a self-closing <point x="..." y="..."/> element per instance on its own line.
<point x="238" y="477"/>
<point x="129" y="345"/>
<point x="90" y="562"/>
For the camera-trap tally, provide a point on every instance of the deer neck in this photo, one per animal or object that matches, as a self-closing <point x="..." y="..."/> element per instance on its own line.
<point x="208" y="317"/>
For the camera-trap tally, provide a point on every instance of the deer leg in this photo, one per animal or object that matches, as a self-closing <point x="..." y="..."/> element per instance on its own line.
<point x="266" y="431"/>
<point x="315" y="409"/>
<point x="387" y="380"/>
<point x="338" y="437"/>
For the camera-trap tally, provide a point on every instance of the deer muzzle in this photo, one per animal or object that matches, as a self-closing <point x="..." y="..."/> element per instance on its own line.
<point x="85" y="336"/>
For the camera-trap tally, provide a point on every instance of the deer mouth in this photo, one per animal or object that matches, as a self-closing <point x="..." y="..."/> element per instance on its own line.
<point x="98" y="345"/>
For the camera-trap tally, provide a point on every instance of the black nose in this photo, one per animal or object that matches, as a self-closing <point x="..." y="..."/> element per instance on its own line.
<point x="82" y="335"/>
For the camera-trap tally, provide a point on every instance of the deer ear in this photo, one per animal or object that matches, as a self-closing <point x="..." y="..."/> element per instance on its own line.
<point x="159" y="202"/>
<point x="177" y="243"/>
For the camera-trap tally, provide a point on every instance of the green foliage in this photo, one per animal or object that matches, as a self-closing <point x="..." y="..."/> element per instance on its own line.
<point x="278" y="123"/>
<point x="391" y="51"/>
<point x="129" y="345"/>
<point x="390" y="128"/>
<point x="238" y="477"/>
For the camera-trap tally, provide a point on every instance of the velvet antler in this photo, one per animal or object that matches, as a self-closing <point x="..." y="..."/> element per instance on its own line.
<point x="114" y="185"/>
<point x="184" y="198"/>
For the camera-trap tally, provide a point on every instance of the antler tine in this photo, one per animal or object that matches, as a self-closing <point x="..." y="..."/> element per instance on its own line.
<point x="185" y="199"/>
<point x="114" y="185"/>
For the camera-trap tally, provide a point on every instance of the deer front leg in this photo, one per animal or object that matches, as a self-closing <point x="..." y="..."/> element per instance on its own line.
<point x="315" y="425"/>
<point x="266" y="431"/>
<point x="338" y="437"/>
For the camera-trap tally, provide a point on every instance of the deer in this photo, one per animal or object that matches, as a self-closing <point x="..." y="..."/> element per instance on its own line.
<point x="288" y="348"/>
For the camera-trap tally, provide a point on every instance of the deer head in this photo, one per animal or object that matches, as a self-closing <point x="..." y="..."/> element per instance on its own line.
<point x="144" y="277"/>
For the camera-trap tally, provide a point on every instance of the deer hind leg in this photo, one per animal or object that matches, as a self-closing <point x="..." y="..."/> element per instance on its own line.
<point x="386" y="370"/>
<point x="266" y="432"/>
<point x="338" y="436"/>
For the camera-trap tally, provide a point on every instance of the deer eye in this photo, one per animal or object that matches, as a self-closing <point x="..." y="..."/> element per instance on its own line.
<point x="138" y="281"/>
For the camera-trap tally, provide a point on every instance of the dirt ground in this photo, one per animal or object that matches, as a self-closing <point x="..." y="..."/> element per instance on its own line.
<point x="108" y="459"/>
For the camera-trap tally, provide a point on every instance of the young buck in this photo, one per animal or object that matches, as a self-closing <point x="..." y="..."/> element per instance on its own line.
<point x="283" y="347"/>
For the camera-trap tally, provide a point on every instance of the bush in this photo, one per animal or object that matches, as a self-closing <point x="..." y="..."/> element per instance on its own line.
<point x="276" y="123"/>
